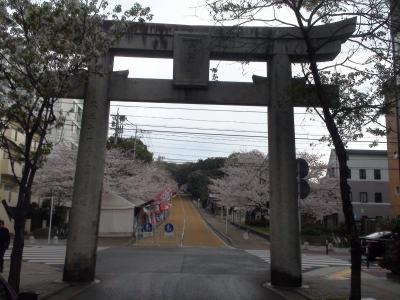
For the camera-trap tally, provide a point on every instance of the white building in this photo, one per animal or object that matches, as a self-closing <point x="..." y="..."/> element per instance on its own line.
<point x="368" y="179"/>
<point x="71" y="110"/>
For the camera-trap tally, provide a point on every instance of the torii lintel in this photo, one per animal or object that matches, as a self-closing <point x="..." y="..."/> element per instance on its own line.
<point x="235" y="43"/>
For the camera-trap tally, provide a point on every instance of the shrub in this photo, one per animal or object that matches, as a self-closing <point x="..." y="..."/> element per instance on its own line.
<point x="391" y="259"/>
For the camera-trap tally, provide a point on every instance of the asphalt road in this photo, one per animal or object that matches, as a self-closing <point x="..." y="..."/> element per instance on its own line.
<point x="178" y="274"/>
<point x="189" y="229"/>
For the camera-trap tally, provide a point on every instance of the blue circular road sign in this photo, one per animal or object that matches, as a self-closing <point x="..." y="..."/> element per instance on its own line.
<point x="169" y="227"/>
<point x="147" y="227"/>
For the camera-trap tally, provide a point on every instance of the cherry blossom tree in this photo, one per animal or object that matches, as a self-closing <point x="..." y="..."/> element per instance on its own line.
<point x="57" y="174"/>
<point x="324" y="198"/>
<point x="245" y="183"/>
<point x="129" y="178"/>
<point x="135" y="179"/>
<point x="43" y="45"/>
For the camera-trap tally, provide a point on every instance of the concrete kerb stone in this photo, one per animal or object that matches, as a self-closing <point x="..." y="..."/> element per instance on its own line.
<point x="68" y="290"/>
<point x="289" y="293"/>
<point x="62" y="286"/>
<point x="260" y="234"/>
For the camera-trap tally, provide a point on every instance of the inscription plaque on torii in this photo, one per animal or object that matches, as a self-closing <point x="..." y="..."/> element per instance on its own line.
<point x="192" y="47"/>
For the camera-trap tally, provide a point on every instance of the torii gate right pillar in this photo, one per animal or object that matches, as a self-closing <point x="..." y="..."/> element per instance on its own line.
<point x="284" y="218"/>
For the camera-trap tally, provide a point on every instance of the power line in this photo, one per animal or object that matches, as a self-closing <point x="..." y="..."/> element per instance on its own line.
<point x="198" y="128"/>
<point x="199" y="120"/>
<point x="209" y="142"/>
<point x="191" y="109"/>
<point x="196" y="149"/>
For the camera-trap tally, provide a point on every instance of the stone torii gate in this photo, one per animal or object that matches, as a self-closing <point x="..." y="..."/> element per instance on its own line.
<point x="192" y="47"/>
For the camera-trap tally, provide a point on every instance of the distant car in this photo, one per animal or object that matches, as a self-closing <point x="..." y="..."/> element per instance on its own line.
<point x="374" y="244"/>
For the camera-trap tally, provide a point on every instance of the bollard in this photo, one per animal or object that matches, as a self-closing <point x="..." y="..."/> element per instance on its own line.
<point x="31" y="239"/>
<point x="327" y="247"/>
<point x="330" y="246"/>
<point x="367" y="255"/>
<point x="55" y="239"/>
<point x="305" y="245"/>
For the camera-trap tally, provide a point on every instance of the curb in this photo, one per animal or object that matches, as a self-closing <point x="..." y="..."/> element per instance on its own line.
<point x="225" y="238"/>
<point x="54" y="292"/>
<point x="288" y="293"/>
<point x="67" y="291"/>
<point x="263" y="235"/>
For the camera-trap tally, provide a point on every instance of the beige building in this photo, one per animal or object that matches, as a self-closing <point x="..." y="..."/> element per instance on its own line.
<point x="8" y="184"/>
<point x="393" y="150"/>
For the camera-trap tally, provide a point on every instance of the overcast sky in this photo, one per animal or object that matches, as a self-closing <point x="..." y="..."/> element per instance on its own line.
<point x="181" y="132"/>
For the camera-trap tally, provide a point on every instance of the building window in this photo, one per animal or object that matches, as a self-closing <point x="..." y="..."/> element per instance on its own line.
<point x="363" y="197"/>
<point x="377" y="174"/>
<point x="331" y="172"/>
<point x="363" y="174"/>
<point x="378" y="197"/>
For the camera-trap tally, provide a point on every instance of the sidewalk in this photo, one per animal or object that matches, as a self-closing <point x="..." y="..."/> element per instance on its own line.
<point x="322" y="283"/>
<point x="334" y="283"/>
<point x="41" y="279"/>
<point x="235" y="236"/>
<point x="46" y="280"/>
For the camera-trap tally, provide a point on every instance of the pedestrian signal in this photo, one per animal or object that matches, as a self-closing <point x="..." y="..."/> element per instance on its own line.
<point x="302" y="171"/>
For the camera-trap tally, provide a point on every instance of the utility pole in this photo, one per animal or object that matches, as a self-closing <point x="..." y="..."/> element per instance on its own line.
<point x="226" y="220"/>
<point x="118" y="125"/>
<point x="134" y="144"/>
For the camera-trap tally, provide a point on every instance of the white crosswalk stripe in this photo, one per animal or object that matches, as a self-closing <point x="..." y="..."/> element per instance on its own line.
<point x="47" y="254"/>
<point x="307" y="261"/>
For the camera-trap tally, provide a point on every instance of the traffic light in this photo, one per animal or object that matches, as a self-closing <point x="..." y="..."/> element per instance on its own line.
<point x="302" y="171"/>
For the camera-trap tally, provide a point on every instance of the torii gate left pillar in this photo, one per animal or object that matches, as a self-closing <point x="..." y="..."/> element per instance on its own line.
<point x="80" y="263"/>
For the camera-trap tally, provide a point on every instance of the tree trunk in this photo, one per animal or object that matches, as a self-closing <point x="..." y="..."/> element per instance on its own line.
<point x="355" y="288"/>
<point x="17" y="251"/>
<point x="347" y="207"/>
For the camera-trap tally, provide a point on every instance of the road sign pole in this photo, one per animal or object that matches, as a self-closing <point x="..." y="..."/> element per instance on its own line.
<point x="51" y="216"/>
<point x="226" y="221"/>
<point x="298" y="195"/>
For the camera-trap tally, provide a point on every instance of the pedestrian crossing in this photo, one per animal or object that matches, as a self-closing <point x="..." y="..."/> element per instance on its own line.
<point x="46" y="254"/>
<point x="307" y="261"/>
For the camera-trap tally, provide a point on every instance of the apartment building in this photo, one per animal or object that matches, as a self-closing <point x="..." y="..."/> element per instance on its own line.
<point x="8" y="184"/>
<point x="369" y="182"/>
<point x="71" y="110"/>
